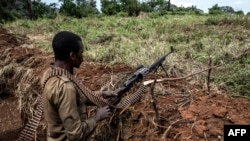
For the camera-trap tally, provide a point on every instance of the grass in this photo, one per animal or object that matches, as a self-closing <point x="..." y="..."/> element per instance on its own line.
<point x="139" y="41"/>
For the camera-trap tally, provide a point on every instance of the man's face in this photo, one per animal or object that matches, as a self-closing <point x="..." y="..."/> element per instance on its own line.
<point x="78" y="57"/>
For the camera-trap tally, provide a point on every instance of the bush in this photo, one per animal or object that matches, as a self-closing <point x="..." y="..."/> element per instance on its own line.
<point x="240" y="12"/>
<point x="6" y="15"/>
<point x="215" y="10"/>
<point x="155" y="14"/>
<point x="236" y="79"/>
<point x="42" y="10"/>
<point x="225" y="20"/>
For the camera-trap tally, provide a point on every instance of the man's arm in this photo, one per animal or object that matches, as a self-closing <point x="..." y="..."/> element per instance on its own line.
<point x="68" y="112"/>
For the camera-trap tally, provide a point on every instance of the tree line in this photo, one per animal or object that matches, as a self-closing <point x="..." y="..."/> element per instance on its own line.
<point x="32" y="9"/>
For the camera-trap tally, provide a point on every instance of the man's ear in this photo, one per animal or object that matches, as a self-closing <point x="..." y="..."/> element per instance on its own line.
<point x="72" y="56"/>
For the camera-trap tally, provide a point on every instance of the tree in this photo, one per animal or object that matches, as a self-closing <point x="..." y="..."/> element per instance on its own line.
<point x="169" y="5"/>
<point x="78" y="8"/>
<point x="29" y="8"/>
<point x="194" y="9"/>
<point x="132" y="7"/>
<point x="155" y="5"/>
<point x="227" y="9"/>
<point x="215" y="10"/>
<point x="9" y="11"/>
<point x="14" y="9"/>
<point x="92" y="5"/>
<point x="5" y="10"/>
<point x="87" y="7"/>
<point x="110" y="7"/>
<point x="240" y="12"/>
<point x="42" y="10"/>
<point x="145" y="7"/>
<point x="69" y="8"/>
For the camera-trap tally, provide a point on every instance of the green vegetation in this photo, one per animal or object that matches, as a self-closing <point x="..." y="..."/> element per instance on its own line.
<point x="32" y="9"/>
<point x="122" y="34"/>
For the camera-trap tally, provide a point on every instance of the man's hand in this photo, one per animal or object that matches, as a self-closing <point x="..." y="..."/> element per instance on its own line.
<point x="102" y="113"/>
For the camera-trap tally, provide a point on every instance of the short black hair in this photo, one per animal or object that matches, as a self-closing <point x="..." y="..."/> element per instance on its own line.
<point x="65" y="42"/>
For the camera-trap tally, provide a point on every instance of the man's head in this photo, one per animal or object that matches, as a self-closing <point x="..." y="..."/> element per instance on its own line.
<point x="68" y="47"/>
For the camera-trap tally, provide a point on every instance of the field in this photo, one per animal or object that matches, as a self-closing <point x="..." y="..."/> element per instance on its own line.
<point x="187" y="109"/>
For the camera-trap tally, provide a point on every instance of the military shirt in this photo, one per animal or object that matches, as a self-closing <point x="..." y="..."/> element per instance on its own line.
<point x="65" y="111"/>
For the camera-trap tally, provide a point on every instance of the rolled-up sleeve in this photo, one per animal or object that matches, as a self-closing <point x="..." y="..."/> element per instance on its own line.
<point x="75" y="129"/>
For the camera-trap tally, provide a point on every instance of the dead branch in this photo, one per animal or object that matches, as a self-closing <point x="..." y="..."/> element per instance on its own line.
<point x="179" y="78"/>
<point x="154" y="104"/>
<point x="119" y="131"/>
<point x="177" y="136"/>
<point x="168" y="129"/>
<point x="209" y="75"/>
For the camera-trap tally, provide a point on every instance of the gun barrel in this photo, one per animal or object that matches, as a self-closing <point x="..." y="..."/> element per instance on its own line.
<point x="160" y="60"/>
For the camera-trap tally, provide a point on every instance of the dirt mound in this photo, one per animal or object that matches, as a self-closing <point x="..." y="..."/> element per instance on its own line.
<point x="10" y="40"/>
<point x="173" y="110"/>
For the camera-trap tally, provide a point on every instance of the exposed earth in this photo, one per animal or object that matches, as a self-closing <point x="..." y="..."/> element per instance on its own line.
<point x="170" y="111"/>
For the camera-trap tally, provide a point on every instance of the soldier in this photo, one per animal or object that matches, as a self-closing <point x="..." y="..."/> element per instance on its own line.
<point x="64" y="104"/>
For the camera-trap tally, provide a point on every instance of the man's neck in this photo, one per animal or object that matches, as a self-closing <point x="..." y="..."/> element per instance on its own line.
<point x="64" y="65"/>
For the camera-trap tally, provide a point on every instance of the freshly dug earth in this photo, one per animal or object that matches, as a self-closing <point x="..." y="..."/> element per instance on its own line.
<point x="173" y="110"/>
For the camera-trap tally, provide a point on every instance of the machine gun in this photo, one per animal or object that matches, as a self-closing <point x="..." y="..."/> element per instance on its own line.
<point x="138" y="75"/>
